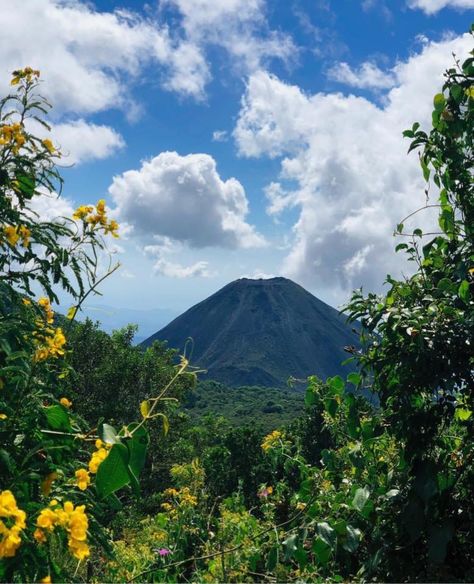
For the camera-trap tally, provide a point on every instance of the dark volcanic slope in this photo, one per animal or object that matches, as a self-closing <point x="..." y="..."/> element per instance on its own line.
<point x="260" y="332"/>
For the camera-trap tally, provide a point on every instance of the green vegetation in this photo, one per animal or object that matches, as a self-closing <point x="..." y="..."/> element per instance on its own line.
<point x="348" y="490"/>
<point x="261" y="407"/>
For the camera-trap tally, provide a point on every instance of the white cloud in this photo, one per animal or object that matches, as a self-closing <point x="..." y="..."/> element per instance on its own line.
<point x="237" y="26"/>
<point x="347" y="158"/>
<point x="185" y="199"/>
<point x="80" y="141"/>
<point x="433" y="6"/>
<point x="220" y="136"/>
<point x="90" y="59"/>
<point x="163" y="267"/>
<point x="50" y="207"/>
<point x="367" y="76"/>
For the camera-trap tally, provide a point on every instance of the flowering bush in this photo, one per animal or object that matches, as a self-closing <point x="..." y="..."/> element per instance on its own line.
<point x="54" y="486"/>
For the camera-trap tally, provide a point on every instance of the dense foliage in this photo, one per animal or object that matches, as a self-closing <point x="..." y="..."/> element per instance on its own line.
<point x="373" y="481"/>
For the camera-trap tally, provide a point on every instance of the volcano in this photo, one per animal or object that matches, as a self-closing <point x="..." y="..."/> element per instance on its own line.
<point x="261" y="332"/>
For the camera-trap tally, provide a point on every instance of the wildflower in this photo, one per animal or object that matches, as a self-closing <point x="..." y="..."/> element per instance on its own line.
<point x="73" y="519"/>
<point x="164" y="552"/>
<point x="166" y="506"/>
<point x="265" y="492"/>
<point x="3" y="416"/>
<point x="46" y="580"/>
<point x="82" y="212"/>
<point x="45" y="304"/>
<point x="271" y="440"/>
<point x="49" y="145"/>
<point x="300" y="506"/>
<point x="11" y="233"/>
<point x="12" y="523"/>
<point x="52" y="345"/>
<point x="39" y="535"/>
<point x="65" y="402"/>
<point x="25" y="235"/>
<point x="27" y="73"/>
<point x="83" y="478"/>
<point x="98" y="456"/>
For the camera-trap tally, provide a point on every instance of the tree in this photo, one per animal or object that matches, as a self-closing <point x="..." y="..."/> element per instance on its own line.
<point x="419" y="342"/>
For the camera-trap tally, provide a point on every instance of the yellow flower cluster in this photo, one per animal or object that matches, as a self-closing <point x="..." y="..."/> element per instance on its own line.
<point x="271" y="440"/>
<point x="97" y="216"/>
<point x="83" y="479"/>
<point x="45" y="304"/>
<point x="52" y="345"/>
<point x="99" y="455"/>
<point x="12" y="135"/>
<point x="27" y="73"/>
<point x="50" y="342"/>
<point x="182" y="499"/>
<point x="12" y="234"/>
<point x="72" y="519"/>
<point x="12" y="523"/>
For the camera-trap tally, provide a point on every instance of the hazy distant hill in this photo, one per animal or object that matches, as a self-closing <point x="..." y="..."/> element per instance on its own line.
<point x="112" y="318"/>
<point x="260" y="332"/>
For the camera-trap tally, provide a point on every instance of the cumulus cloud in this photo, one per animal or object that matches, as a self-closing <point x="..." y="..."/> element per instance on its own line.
<point x="83" y="54"/>
<point x="237" y="26"/>
<point x="433" y="6"/>
<point x="344" y="166"/>
<point x="367" y="76"/>
<point x="184" y="198"/>
<point x="80" y="141"/>
<point x="90" y="60"/>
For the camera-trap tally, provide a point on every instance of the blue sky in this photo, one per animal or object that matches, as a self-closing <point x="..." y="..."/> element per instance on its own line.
<point x="240" y="137"/>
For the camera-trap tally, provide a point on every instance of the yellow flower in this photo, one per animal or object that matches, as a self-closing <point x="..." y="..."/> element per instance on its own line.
<point x="271" y="440"/>
<point x="10" y="530"/>
<point x="11" y="233"/>
<point x="83" y="478"/>
<point x="25" y="235"/>
<point x="39" y="535"/>
<point x="46" y="580"/>
<point x="49" y="145"/>
<point x="65" y="402"/>
<point x="3" y="416"/>
<point x="97" y="458"/>
<point x="73" y="520"/>
<point x="82" y="212"/>
<point x="27" y="73"/>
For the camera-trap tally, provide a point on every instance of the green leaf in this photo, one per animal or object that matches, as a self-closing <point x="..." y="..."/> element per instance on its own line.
<point x="326" y="533"/>
<point x="26" y="185"/>
<point x="137" y="447"/>
<point x="462" y="414"/>
<point x="360" y="498"/>
<point x="439" y="102"/>
<point x="331" y="406"/>
<point x="57" y="418"/>
<point x="337" y="385"/>
<point x="321" y="550"/>
<point x="354" y="378"/>
<point x="109" y="434"/>
<point x="113" y="473"/>
<point x="309" y="397"/>
<point x="352" y="539"/>
<point x="290" y="546"/>
<point x="463" y="291"/>
<point x="456" y="92"/>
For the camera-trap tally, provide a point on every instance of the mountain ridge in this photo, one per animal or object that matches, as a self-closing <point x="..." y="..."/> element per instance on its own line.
<point x="261" y="332"/>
